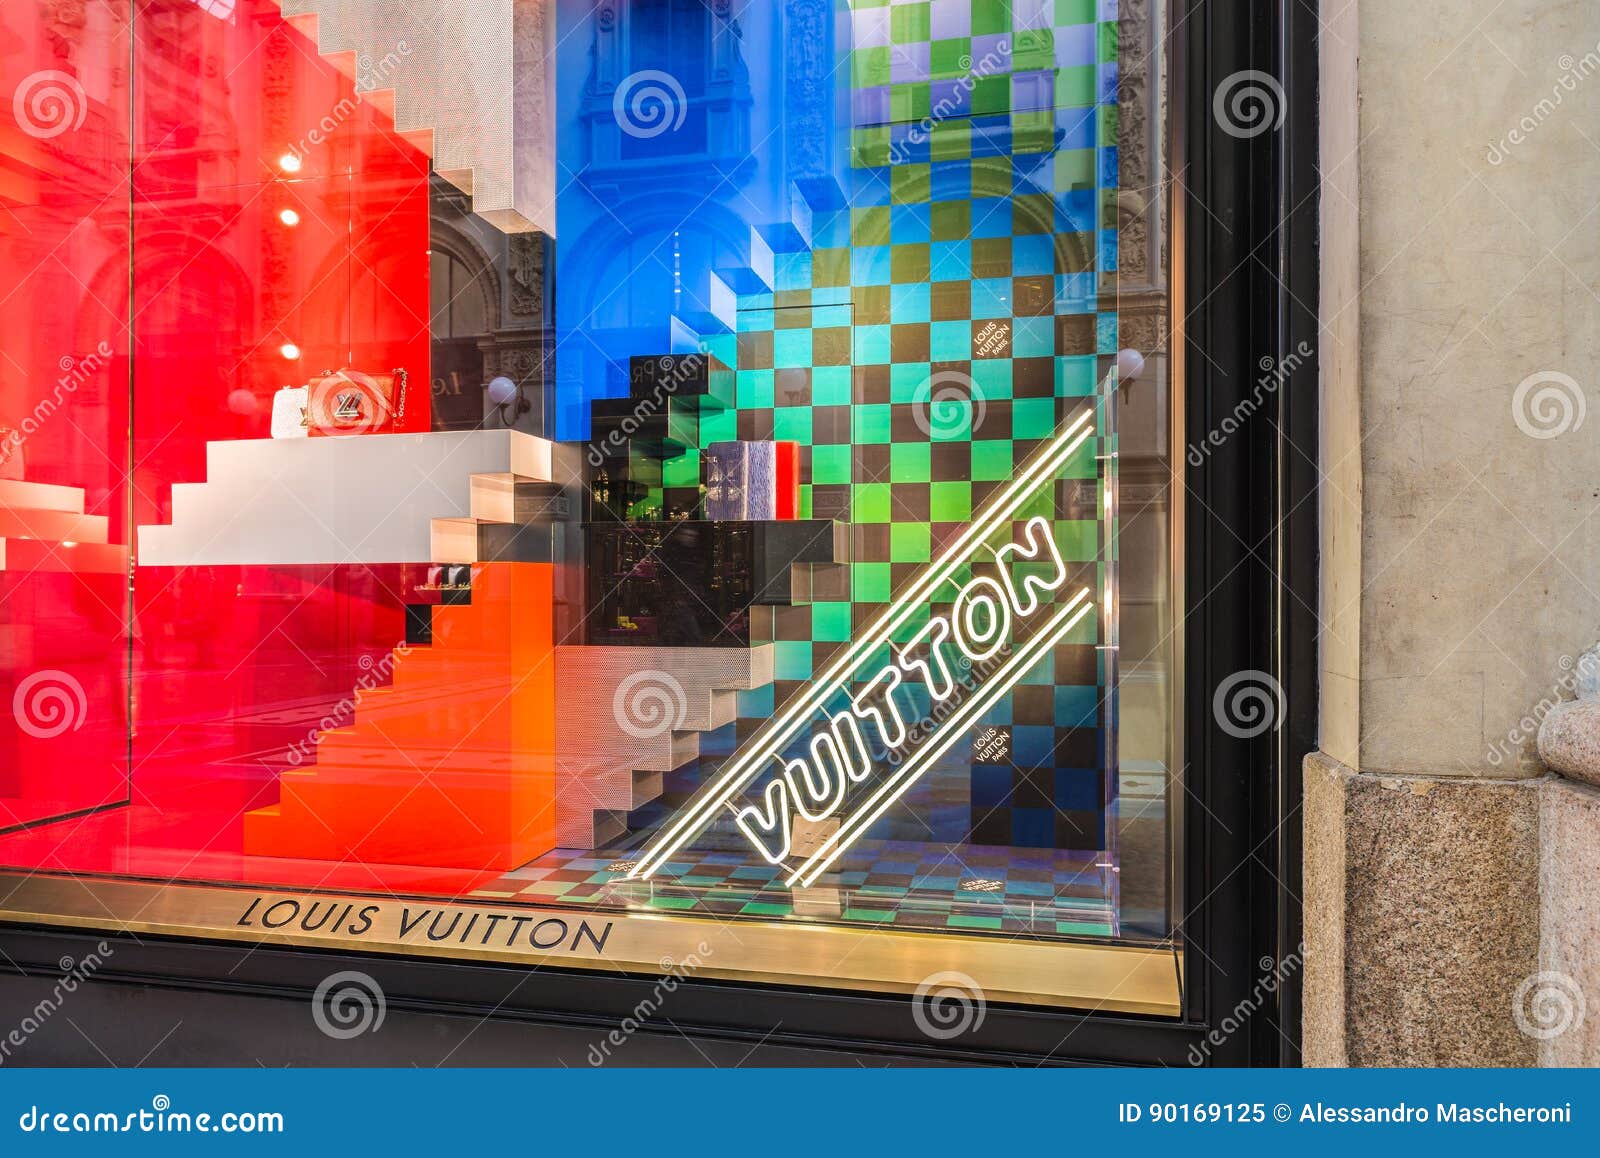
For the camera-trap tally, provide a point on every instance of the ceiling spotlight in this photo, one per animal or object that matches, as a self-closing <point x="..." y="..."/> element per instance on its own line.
<point x="289" y="162"/>
<point x="290" y="351"/>
<point x="289" y="217"/>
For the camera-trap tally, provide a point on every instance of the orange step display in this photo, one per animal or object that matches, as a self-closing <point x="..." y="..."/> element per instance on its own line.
<point x="453" y="764"/>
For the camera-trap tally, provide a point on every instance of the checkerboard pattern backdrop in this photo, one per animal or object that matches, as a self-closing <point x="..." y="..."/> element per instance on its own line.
<point x="951" y="313"/>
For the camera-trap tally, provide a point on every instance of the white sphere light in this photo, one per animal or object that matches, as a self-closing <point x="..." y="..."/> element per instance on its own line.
<point x="243" y="402"/>
<point x="1130" y="364"/>
<point x="501" y="391"/>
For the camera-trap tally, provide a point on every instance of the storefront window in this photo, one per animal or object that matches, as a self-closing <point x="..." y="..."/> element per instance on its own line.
<point x="595" y="483"/>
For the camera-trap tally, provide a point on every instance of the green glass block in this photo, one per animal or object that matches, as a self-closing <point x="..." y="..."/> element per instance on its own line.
<point x="870" y="502"/>
<point x="991" y="460"/>
<point x="907" y="380"/>
<point x="1075" y="377"/>
<point x="830" y="465"/>
<point x="910" y="462"/>
<point x="805" y="501"/>
<point x="909" y="263"/>
<point x="950" y="502"/>
<point x="1075" y="86"/>
<point x="872" y="423"/>
<point x="991" y="380"/>
<point x="1033" y="417"/>
<point x="951" y="220"/>
<point x="683" y="471"/>
<point x="792" y="424"/>
<point x="1033" y="50"/>
<point x="990" y="16"/>
<point x="909" y="103"/>
<point x="764" y="909"/>
<point x="1033" y="212"/>
<point x="719" y="426"/>
<point x="830" y="385"/>
<point x="948" y="59"/>
<point x="910" y="543"/>
<point x="1074" y="169"/>
<point x="869" y="147"/>
<point x="909" y="23"/>
<point x="991" y="95"/>
<point x="870" y="582"/>
<point x="876" y="916"/>
<point x="962" y="921"/>
<point x="1107" y="42"/>
<point x="753" y="389"/>
<point x="1068" y="12"/>
<point x="1078" y="538"/>
<point x="1033" y="131"/>
<point x="908" y="184"/>
<point x="791" y="350"/>
<point x="830" y="267"/>
<point x="869" y="226"/>
<point x="1107" y="119"/>
<point x="830" y="622"/>
<point x="869" y="67"/>
<point x="951" y="140"/>
<point x="791" y="659"/>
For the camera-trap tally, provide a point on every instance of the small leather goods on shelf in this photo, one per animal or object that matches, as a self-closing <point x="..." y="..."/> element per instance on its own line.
<point x="341" y="403"/>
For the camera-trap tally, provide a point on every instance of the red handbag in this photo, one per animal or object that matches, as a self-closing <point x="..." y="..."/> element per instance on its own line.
<point x="341" y="403"/>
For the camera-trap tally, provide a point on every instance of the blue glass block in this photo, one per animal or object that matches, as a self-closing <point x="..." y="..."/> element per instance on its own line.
<point x="909" y="63"/>
<point x="991" y="785"/>
<point x="950" y="260"/>
<point x="910" y="224"/>
<point x="1033" y="255"/>
<point x="1077" y="706"/>
<point x="753" y="320"/>
<point x="1077" y="789"/>
<point x="991" y="217"/>
<point x="1108" y="11"/>
<point x="1075" y="376"/>
<point x="949" y="99"/>
<point x="793" y="271"/>
<point x="872" y="345"/>
<point x="907" y="379"/>
<point x="1076" y="211"/>
<point x="950" y="341"/>
<point x="1033" y="827"/>
<point x="991" y="297"/>
<point x="950" y="19"/>
<point x="791" y="349"/>
<point x="791" y="660"/>
<point x="758" y="702"/>
<point x="870" y="265"/>
<point x="909" y="303"/>
<point x="991" y="136"/>
<point x="1108" y="250"/>
<point x="827" y="317"/>
<point x="1108" y="83"/>
<point x="830" y="230"/>
<point x="991" y="377"/>
<point x="1108" y="168"/>
<point x="950" y="180"/>
<point x="1033" y="337"/>
<point x="1077" y="128"/>
<point x="1106" y="334"/>
<point x="1076" y="293"/>
<point x="1076" y="45"/>
<point x="1032" y="746"/>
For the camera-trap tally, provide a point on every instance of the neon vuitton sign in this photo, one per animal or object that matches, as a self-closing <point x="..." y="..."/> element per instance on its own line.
<point x="988" y="612"/>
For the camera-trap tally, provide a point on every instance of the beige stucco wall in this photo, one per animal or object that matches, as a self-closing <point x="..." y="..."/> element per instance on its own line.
<point x="1449" y="880"/>
<point x="1479" y="266"/>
